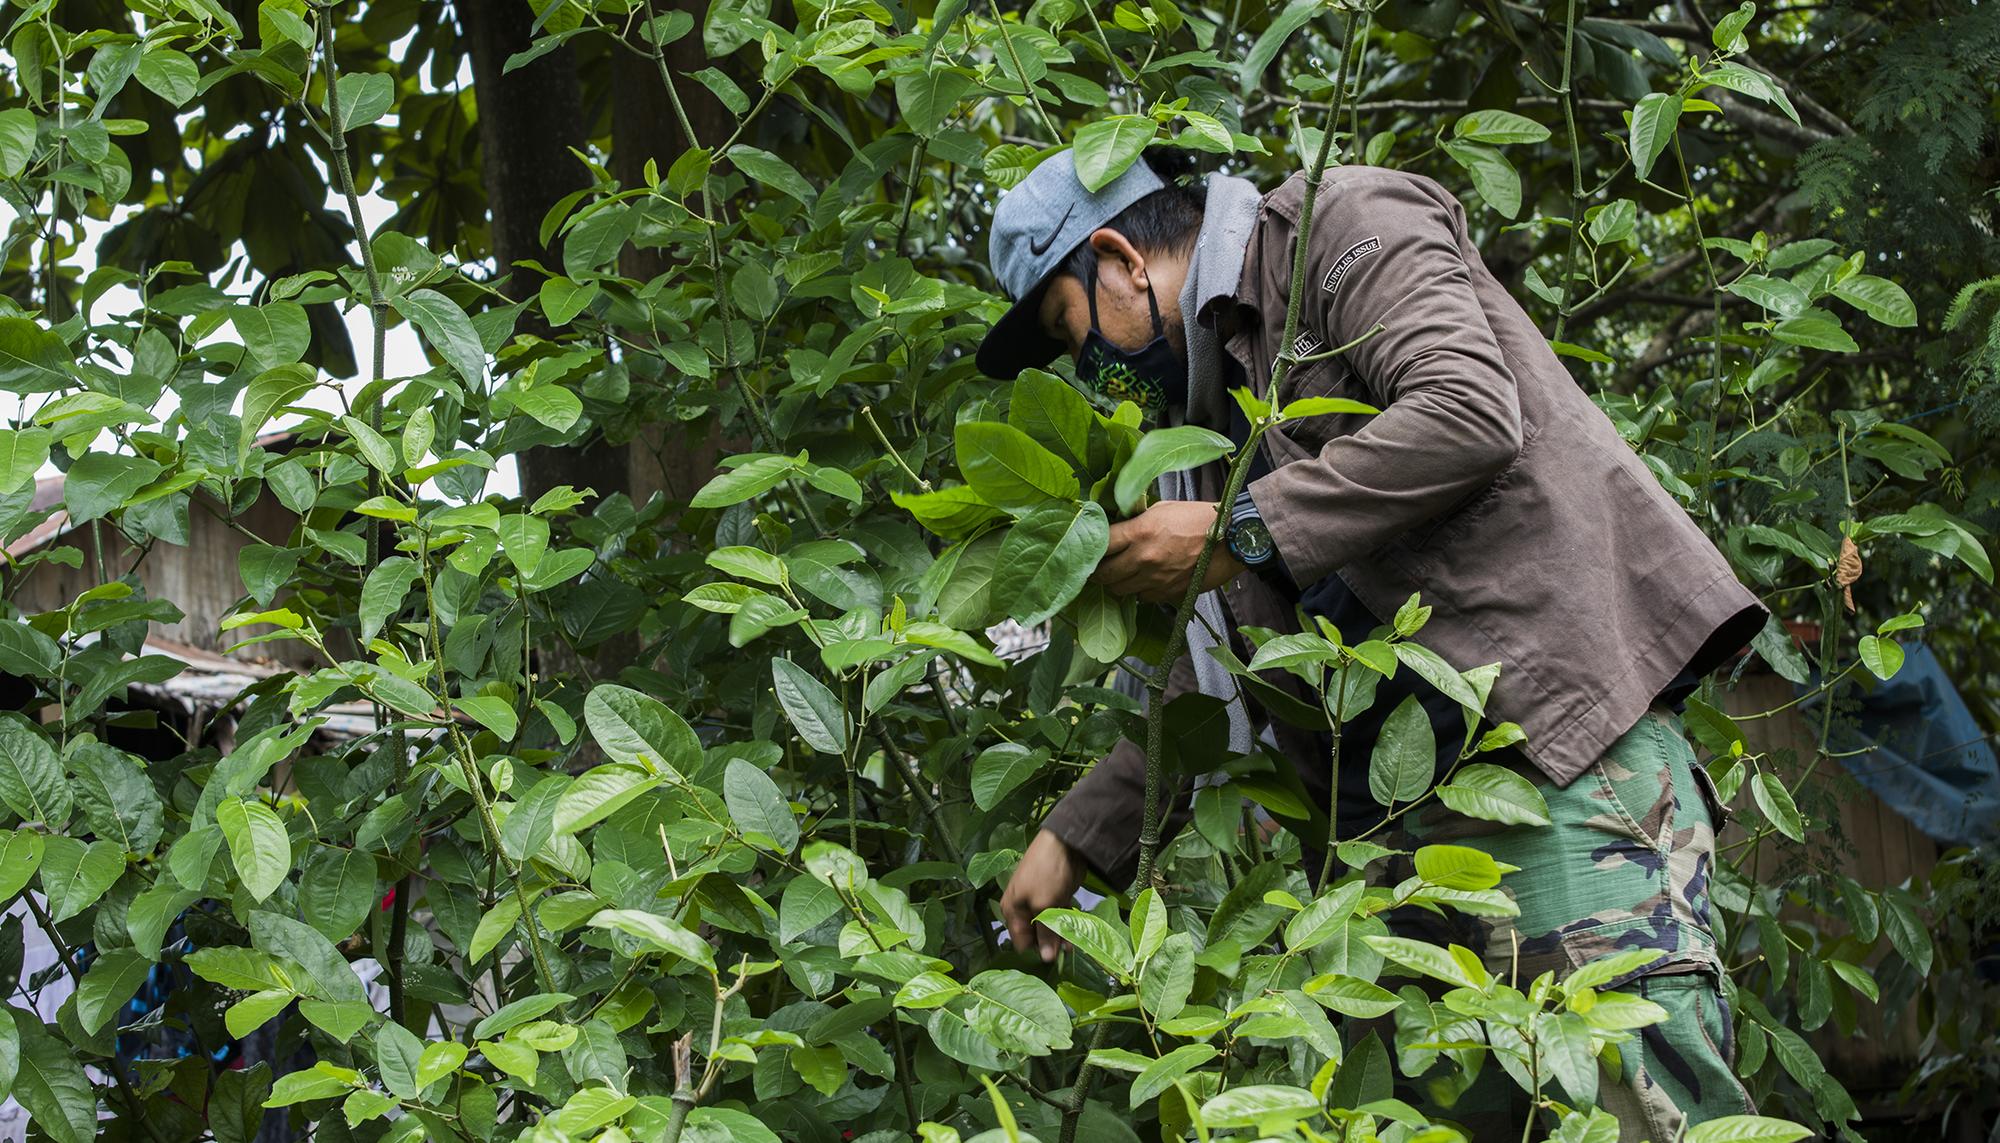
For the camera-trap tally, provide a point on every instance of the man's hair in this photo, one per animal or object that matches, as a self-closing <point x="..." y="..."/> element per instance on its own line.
<point x="1164" y="222"/>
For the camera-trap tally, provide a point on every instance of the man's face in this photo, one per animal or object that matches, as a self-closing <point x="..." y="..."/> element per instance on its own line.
<point x="1123" y="314"/>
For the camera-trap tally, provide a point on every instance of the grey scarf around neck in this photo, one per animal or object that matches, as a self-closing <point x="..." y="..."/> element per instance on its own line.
<point x="1215" y="270"/>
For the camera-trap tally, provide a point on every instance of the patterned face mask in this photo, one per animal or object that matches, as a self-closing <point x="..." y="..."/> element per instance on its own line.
<point x="1152" y="376"/>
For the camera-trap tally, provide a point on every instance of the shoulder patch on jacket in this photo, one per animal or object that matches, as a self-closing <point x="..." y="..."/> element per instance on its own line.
<point x="1345" y="262"/>
<point x="1307" y="344"/>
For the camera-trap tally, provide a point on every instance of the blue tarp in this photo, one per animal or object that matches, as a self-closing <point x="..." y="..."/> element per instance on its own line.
<point x="1933" y="763"/>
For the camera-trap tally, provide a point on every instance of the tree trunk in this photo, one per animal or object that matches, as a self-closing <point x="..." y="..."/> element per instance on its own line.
<point x="528" y="121"/>
<point x="672" y="457"/>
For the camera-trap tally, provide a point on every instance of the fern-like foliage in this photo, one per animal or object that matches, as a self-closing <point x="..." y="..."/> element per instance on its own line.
<point x="1974" y="317"/>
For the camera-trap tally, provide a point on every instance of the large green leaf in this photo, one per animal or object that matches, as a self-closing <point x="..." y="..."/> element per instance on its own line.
<point x="51" y="1085"/>
<point x="1105" y="149"/>
<point x="31" y="779"/>
<point x="1496" y="794"/>
<point x="758" y="806"/>
<point x="113" y="977"/>
<point x="1047" y="557"/>
<point x="1405" y="755"/>
<point x="1493" y="176"/>
<point x="117" y="798"/>
<point x="1001" y="768"/>
<point x="448" y="330"/>
<point x="1654" y="121"/>
<point x="1008" y="469"/>
<point x="1166" y="450"/>
<point x="259" y="847"/>
<point x="639" y="729"/>
<point x="811" y="708"/>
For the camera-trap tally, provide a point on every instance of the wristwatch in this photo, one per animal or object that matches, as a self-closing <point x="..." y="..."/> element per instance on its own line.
<point x="1248" y="538"/>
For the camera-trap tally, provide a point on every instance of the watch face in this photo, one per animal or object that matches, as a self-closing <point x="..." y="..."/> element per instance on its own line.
<point x="1251" y="541"/>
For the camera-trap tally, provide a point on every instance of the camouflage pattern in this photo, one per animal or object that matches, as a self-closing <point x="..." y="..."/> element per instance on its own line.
<point x="1625" y="864"/>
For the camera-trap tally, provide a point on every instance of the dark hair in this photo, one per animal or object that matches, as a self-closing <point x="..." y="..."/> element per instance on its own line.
<point x="1164" y="222"/>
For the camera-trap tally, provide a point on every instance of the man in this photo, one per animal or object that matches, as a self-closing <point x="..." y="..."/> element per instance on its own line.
<point x="1489" y="484"/>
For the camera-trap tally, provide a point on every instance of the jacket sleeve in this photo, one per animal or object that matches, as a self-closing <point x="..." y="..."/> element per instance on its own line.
<point x="1383" y="250"/>
<point x="1102" y="814"/>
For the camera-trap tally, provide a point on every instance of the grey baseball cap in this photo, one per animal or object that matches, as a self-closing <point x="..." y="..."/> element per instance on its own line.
<point x="1035" y="226"/>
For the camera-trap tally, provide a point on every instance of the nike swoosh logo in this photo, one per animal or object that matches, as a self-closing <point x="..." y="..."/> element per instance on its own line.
<point x="1040" y="248"/>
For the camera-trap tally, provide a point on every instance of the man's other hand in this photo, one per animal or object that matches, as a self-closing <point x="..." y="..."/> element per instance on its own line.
<point x="1153" y="554"/>
<point x="1046" y="878"/>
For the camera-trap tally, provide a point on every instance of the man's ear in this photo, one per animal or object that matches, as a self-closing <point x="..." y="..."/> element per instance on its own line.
<point x="1118" y="261"/>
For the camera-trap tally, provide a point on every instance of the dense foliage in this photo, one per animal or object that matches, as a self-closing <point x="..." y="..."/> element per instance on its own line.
<point x="693" y="805"/>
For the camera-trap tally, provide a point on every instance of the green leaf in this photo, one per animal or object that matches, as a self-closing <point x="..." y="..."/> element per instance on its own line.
<point x="1493" y="176"/>
<point x="1017" y="1013"/>
<point x="1270" y="1108"/>
<point x="662" y="933"/>
<point x="812" y="709"/>
<point x="772" y="171"/>
<point x="1160" y="1074"/>
<point x="954" y="512"/>
<point x="1050" y="410"/>
<point x="337" y="891"/>
<point x="551" y="404"/>
<point x="32" y="359"/>
<point x="758" y="806"/>
<point x="1429" y="960"/>
<point x="1879" y="298"/>
<point x="1105" y="149"/>
<point x="1047" y="557"/>
<point x="754" y="564"/>
<point x="1441" y="675"/>
<point x="276" y="333"/>
<point x="1166" y="450"/>
<point x="259" y="847"/>
<point x="1352" y="996"/>
<point x="17" y="141"/>
<point x="495" y="714"/>
<point x="1754" y="84"/>
<point x="1496" y="794"/>
<point x="364" y="98"/>
<point x="638" y="729"/>
<point x="448" y="330"/>
<point x="1007" y="469"/>
<point x="1405" y="756"/>
<point x="265" y="571"/>
<point x="1000" y="769"/>
<point x="100" y="483"/>
<point x="1815" y="329"/>
<point x="117" y="798"/>
<point x="383" y="591"/>
<point x="1883" y="657"/>
<point x="1776" y="802"/>
<point x="397" y="1051"/>
<point x="169" y="74"/>
<point x="1495" y="126"/>
<point x="22" y="454"/>
<point x="269" y="392"/>
<point x="926" y="98"/>
<point x="1728" y="35"/>
<point x="598" y="793"/>
<point x="752" y="478"/>
<point x="27" y="653"/>
<point x="20" y="859"/>
<point x="1907" y="932"/>
<point x="1746" y="1128"/>
<point x="1654" y="121"/>
<point x="1457" y="867"/>
<point x="113" y="977"/>
<point x="51" y="1085"/>
<point x="32" y="782"/>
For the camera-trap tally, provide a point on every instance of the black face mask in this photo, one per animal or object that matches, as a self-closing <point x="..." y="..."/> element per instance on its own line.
<point x="1152" y="376"/>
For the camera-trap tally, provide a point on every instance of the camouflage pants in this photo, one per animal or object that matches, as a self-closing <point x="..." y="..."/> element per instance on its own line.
<point x="1625" y="865"/>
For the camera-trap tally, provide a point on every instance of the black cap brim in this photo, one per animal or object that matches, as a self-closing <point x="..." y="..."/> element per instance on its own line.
<point x="1017" y="341"/>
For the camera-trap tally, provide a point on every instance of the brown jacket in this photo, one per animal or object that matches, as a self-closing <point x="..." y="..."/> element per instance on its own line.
<point x="1490" y="483"/>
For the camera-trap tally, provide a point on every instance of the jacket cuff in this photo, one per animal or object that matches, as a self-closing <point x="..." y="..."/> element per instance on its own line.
<point x="1114" y="859"/>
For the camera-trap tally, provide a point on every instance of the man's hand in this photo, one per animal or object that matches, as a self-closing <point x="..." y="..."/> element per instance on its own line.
<point x="1153" y="554"/>
<point x="1046" y="878"/>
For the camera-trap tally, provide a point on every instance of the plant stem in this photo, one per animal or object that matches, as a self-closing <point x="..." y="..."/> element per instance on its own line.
<point x="1568" y="99"/>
